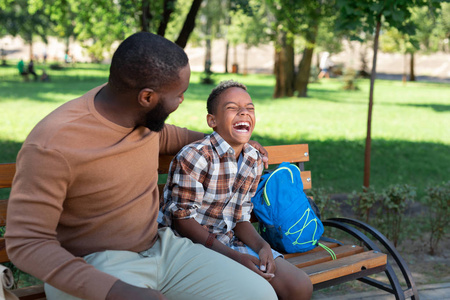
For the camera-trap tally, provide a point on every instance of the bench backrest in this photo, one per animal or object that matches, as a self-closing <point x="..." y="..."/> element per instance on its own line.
<point x="297" y="154"/>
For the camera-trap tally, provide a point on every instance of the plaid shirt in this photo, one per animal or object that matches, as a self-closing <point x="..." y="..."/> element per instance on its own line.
<point x="205" y="184"/>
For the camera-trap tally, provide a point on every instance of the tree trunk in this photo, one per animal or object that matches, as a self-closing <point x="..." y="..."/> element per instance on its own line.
<point x="189" y="24"/>
<point x="284" y="67"/>
<point x="31" y="49"/>
<point x="304" y="67"/>
<point x="167" y="11"/>
<point x="404" y="69"/>
<point x="67" y="45"/>
<point x="412" y="75"/>
<point x="208" y="48"/>
<point x="227" y="52"/>
<point x="146" y="16"/>
<point x="369" y="115"/>
<point x="304" y="71"/>
<point x="245" y="60"/>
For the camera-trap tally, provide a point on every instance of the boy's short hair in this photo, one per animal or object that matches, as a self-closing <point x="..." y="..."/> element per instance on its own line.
<point x="211" y="103"/>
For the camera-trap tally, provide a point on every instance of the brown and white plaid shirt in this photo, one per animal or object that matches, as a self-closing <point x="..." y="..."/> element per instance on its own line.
<point x="204" y="183"/>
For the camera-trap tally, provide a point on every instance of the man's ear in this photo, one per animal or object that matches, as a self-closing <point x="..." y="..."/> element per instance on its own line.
<point x="211" y="120"/>
<point x="148" y="98"/>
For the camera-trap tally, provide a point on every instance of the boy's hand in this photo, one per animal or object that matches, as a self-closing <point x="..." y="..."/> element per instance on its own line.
<point x="264" y="153"/>
<point x="252" y="262"/>
<point x="267" y="262"/>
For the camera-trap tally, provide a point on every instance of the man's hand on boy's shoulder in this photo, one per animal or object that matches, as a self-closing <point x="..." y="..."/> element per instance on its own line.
<point x="262" y="150"/>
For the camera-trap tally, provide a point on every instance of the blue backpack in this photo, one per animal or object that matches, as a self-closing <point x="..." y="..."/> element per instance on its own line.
<point x="287" y="220"/>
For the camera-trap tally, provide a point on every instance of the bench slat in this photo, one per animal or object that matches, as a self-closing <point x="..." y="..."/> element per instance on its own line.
<point x="277" y="154"/>
<point x="345" y="266"/>
<point x="328" y="244"/>
<point x="7" y="172"/>
<point x="291" y="153"/>
<point x="35" y="292"/>
<point x="310" y="258"/>
<point x="3" y="205"/>
<point x="3" y="256"/>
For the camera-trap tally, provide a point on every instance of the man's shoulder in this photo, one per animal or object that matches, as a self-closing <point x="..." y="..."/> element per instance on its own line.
<point x="54" y="126"/>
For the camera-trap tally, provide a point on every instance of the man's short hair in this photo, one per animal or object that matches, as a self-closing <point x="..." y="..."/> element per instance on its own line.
<point x="146" y="60"/>
<point x="211" y="103"/>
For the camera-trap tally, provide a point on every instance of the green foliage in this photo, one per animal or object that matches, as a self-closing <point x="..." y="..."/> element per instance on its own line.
<point x="394" y="201"/>
<point x="362" y="202"/>
<point x="17" y="20"/>
<point x="437" y="220"/>
<point x="349" y="80"/>
<point x="328" y="207"/>
<point x="355" y="16"/>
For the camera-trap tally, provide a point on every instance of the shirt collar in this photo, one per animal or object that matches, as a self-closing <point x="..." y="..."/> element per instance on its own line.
<point x="222" y="147"/>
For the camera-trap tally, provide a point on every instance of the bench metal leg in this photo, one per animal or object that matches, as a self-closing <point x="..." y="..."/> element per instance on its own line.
<point x="394" y="288"/>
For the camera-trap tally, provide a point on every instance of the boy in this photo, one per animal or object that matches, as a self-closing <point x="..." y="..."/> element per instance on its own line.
<point x="210" y="184"/>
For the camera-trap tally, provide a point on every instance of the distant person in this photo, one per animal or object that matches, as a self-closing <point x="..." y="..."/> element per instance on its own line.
<point x="44" y="56"/>
<point x="325" y="65"/>
<point x="32" y="71"/>
<point x="22" y="71"/>
<point x="67" y="58"/>
<point x="44" y="76"/>
<point x="208" y="193"/>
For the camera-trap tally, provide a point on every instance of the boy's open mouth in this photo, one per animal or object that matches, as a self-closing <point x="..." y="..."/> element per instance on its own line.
<point x="242" y="127"/>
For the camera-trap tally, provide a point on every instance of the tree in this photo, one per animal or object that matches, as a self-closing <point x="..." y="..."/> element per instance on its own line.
<point x="368" y="15"/>
<point x="248" y="26"/>
<point x="18" y="20"/>
<point x="393" y="41"/>
<point x="189" y="24"/>
<point x="296" y="18"/>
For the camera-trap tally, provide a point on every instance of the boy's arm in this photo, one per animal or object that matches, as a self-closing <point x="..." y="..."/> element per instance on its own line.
<point x="191" y="229"/>
<point x="245" y="232"/>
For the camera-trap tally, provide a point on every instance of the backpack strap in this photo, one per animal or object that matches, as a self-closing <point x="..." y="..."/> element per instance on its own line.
<point x="266" y="199"/>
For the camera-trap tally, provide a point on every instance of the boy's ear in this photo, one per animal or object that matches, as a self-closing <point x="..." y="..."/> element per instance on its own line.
<point x="148" y="98"/>
<point x="211" y="120"/>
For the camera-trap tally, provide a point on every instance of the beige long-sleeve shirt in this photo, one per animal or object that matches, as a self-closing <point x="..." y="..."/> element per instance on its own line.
<point x="84" y="184"/>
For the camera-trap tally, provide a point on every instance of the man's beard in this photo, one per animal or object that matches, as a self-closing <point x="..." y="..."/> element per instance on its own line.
<point x="154" y="119"/>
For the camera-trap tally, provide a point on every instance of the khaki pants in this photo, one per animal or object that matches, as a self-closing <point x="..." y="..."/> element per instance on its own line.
<point x="181" y="270"/>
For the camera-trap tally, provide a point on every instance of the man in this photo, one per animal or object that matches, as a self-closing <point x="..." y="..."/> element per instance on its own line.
<point x="84" y="202"/>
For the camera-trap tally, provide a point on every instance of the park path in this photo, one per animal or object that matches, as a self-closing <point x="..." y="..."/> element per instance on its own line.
<point x="434" y="67"/>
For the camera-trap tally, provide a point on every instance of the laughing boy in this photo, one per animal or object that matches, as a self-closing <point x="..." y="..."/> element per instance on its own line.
<point x="208" y="193"/>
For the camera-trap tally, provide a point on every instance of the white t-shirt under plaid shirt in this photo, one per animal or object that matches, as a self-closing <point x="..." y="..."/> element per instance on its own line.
<point x="204" y="183"/>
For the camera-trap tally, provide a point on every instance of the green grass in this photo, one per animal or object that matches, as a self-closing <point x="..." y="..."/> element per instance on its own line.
<point x="410" y="125"/>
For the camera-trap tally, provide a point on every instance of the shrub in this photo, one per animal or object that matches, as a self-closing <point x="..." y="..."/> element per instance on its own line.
<point x="437" y="220"/>
<point x="362" y="203"/>
<point x="328" y="207"/>
<point x="394" y="201"/>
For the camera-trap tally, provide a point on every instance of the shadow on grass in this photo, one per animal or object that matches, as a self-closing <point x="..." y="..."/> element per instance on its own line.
<point x="340" y="163"/>
<point x="52" y="91"/>
<point x="435" y="107"/>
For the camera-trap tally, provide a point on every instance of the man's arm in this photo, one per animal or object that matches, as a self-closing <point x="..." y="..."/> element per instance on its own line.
<point x="173" y="138"/>
<point x="34" y="209"/>
<point x="123" y="291"/>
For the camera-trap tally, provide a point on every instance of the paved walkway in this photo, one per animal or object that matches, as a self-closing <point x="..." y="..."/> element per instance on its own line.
<point x="439" y="291"/>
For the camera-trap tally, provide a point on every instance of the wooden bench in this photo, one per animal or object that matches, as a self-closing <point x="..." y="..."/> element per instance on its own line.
<point x="353" y="261"/>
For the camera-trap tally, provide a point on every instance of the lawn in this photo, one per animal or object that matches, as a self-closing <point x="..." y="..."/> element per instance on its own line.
<point x="410" y="125"/>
